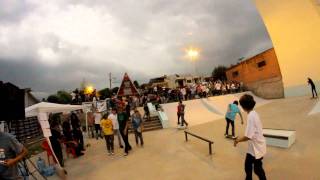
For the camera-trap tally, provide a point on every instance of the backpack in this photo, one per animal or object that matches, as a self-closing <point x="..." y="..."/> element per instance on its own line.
<point x="44" y="170"/>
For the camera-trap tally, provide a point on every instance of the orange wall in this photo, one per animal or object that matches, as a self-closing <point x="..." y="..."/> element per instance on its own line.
<point x="249" y="71"/>
<point x="294" y="28"/>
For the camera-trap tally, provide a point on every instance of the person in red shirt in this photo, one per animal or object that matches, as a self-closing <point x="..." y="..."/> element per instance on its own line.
<point x="181" y="108"/>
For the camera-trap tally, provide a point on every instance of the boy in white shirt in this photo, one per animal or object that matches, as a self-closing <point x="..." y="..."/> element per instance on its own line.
<point x="254" y="136"/>
<point x="114" y="117"/>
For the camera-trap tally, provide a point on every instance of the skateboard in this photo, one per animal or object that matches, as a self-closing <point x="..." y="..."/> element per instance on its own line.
<point x="230" y="137"/>
<point x="182" y="127"/>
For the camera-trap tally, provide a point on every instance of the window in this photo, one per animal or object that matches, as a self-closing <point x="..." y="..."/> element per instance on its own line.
<point x="261" y="64"/>
<point x="188" y="81"/>
<point x="235" y="74"/>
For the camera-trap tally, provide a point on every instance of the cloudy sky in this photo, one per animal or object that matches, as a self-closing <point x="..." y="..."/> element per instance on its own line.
<point x="52" y="45"/>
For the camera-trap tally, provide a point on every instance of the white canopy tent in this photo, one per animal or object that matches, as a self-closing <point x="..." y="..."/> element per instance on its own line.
<point x="45" y="107"/>
<point x="41" y="110"/>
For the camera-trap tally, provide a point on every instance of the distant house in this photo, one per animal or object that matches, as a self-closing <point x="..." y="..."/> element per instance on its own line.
<point x="260" y="74"/>
<point x="174" y="81"/>
<point x="29" y="98"/>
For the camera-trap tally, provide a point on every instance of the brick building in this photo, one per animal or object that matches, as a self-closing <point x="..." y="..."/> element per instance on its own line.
<point x="260" y="74"/>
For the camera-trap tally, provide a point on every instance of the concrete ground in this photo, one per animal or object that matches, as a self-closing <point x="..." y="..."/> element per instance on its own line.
<point x="166" y="155"/>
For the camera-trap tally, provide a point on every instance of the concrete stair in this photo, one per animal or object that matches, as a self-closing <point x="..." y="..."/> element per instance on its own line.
<point x="149" y="125"/>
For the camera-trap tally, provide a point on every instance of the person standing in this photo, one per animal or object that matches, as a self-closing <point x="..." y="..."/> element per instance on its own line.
<point x="97" y="119"/>
<point x="232" y="111"/>
<point x="76" y="131"/>
<point x="123" y="120"/>
<point x="114" y="118"/>
<point x="107" y="128"/>
<point x="181" y="108"/>
<point x="11" y="152"/>
<point x="178" y="115"/>
<point x="90" y="118"/>
<point x="55" y="139"/>
<point x="137" y="125"/>
<point x="146" y="111"/>
<point x="128" y="108"/>
<point x="256" y="141"/>
<point x="313" y="88"/>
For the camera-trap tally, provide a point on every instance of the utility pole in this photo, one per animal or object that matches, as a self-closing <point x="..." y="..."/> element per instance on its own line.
<point x="110" y="80"/>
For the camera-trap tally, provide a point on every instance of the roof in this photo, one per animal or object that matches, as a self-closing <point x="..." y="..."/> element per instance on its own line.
<point x="233" y="66"/>
<point x="45" y="107"/>
<point x="28" y="91"/>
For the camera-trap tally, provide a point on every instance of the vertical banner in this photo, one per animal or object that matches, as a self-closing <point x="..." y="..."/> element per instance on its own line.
<point x="44" y="123"/>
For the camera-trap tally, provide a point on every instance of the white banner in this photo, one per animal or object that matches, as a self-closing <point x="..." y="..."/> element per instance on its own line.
<point x="102" y="106"/>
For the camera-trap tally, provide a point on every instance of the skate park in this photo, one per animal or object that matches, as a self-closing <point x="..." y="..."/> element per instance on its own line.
<point x="168" y="156"/>
<point x="289" y="121"/>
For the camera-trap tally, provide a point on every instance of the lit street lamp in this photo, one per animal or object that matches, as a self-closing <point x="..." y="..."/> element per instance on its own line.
<point x="193" y="55"/>
<point x="88" y="90"/>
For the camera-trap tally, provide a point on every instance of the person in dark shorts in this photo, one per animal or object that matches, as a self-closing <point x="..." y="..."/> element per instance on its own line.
<point x="313" y="88"/>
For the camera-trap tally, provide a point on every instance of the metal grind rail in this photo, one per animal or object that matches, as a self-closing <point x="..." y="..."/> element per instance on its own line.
<point x="204" y="139"/>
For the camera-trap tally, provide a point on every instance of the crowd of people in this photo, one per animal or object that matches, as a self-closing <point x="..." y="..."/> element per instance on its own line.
<point x="192" y="91"/>
<point x="121" y="116"/>
<point x="68" y="133"/>
<point x="117" y="121"/>
<point x="161" y="95"/>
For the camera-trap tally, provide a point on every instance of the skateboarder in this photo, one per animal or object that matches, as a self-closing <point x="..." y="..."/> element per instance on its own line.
<point x="181" y="108"/>
<point x="254" y="136"/>
<point x="313" y="88"/>
<point x="232" y="111"/>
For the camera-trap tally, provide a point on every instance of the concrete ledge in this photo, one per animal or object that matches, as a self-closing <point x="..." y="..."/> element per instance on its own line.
<point x="164" y="119"/>
<point x="152" y="110"/>
<point x="279" y="137"/>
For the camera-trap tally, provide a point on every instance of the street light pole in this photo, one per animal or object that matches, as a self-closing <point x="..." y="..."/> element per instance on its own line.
<point x="110" y="79"/>
<point x="193" y="54"/>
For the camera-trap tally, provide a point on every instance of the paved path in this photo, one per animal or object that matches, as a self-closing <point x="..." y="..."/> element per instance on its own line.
<point x="167" y="156"/>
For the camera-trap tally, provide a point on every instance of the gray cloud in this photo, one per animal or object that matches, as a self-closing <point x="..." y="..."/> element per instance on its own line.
<point x="54" y="45"/>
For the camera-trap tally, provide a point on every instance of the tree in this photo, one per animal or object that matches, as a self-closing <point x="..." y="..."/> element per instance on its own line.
<point x="53" y="98"/>
<point x="115" y="90"/>
<point x="64" y="97"/>
<point x="136" y="84"/>
<point x="219" y="73"/>
<point x="105" y="93"/>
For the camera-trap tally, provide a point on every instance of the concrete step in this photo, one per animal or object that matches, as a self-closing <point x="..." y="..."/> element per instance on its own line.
<point x="149" y="125"/>
<point x="148" y="129"/>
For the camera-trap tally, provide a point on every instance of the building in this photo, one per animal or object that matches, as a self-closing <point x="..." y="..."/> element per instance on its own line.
<point x="294" y="27"/>
<point x="174" y="81"/>
<point x="29" y="98"/>
<point x="260" y="74"/>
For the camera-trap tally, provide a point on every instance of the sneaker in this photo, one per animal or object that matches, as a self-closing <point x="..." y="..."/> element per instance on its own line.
<point x="234" y="137"/>
<point x="226" y="135"/>
<point x="112" y="153"/>
<point x="125" y="154"/>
